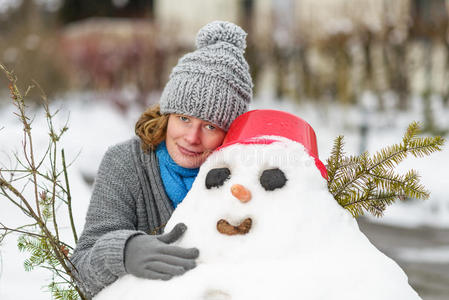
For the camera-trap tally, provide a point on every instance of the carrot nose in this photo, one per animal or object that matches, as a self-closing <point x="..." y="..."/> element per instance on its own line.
<point x="241" y="193"/>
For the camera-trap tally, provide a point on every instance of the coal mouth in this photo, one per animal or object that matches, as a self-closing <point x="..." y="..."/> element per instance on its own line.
<point x="244" y="227"/>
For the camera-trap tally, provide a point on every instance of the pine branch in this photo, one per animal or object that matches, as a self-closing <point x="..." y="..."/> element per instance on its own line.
<point x="363" y="183"/>
<point x="421" y="147"/>
<point x="377" y="204"/>
<point x="336" y="154"/>
<point x="389" y="157"/>
<point x="356" y="176"/>
<point x="412" y="130"/>
<point x="387" y="179"/>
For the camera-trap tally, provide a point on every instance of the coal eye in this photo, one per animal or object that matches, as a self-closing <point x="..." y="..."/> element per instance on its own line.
<point x="216" y="177"/>
<point x="272" y="179"/>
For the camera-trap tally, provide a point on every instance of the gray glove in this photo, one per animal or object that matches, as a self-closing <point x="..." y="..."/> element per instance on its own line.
<point x="151" y="256"/>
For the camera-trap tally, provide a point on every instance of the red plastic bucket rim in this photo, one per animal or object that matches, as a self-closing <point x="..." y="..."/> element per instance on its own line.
<point x="255" y="127"/>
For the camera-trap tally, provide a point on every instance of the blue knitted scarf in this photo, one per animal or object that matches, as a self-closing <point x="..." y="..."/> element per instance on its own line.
<point x="177" y="180"/>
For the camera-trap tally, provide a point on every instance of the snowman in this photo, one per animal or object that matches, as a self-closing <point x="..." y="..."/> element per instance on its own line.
<point x="266" y="226"/>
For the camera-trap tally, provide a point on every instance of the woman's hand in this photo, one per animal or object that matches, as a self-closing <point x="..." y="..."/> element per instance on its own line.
<point x="152" y="256"/>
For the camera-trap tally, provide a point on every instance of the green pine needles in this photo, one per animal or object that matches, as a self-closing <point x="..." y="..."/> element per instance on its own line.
<point x="363" y="183"/>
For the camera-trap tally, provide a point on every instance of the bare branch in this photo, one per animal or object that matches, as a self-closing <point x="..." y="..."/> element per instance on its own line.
<point x="4" y="184"/>
<point x="43" y="239"/>
<point x="69" y="198"/>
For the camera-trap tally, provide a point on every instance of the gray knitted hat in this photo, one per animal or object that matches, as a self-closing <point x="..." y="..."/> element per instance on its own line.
<point x="213" y="82"/>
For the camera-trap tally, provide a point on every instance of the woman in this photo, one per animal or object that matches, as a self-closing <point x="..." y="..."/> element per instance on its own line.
<point x="141" y="181"/>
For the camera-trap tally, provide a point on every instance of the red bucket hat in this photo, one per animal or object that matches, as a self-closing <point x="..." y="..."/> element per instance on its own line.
<point x="256" y="123"/>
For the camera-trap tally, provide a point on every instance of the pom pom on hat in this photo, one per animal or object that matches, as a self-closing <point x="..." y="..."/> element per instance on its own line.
<point x="212" y="83"/>
<point x="219" y="31"/>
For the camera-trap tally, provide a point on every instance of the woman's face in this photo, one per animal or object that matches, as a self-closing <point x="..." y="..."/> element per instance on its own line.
<point x="191" y="140"/>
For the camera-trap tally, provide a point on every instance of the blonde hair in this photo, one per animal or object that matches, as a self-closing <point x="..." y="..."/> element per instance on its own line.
<point x="151" y="128"/>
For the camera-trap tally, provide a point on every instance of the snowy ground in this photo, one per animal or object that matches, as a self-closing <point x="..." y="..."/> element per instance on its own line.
<point x="95" y="124"/>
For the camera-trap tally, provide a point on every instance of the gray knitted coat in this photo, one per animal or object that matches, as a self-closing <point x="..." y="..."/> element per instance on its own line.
<point x="128" y="199"/>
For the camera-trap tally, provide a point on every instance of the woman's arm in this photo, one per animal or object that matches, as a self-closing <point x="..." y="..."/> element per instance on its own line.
<point x="110" y="222"/>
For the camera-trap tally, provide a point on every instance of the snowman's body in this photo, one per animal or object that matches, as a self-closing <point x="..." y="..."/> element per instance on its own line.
<point x="301" y="243"/>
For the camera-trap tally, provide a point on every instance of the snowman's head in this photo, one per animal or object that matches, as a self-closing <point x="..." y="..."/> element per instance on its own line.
<point x="247" y="192"/>
<point x="270" y="167"/>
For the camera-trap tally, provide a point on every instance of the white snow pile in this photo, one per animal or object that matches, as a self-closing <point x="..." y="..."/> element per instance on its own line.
<point x="301" y="244"/>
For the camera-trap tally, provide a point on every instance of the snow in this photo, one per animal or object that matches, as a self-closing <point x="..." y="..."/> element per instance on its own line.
<point x="300" y="239"/>
<point x="95" y="124"/>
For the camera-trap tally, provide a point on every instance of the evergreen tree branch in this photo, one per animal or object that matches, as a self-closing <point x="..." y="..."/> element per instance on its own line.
<point x="355" y="176"/>
<point x="387" y="179"/>
<point x="348" y="162"/>
<point x="388" y="156"/>
<point x="361" y="183"/>
<point x="412" y="131"/>
<point x="334" y="161"/>
<point x="425" y="146"/>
